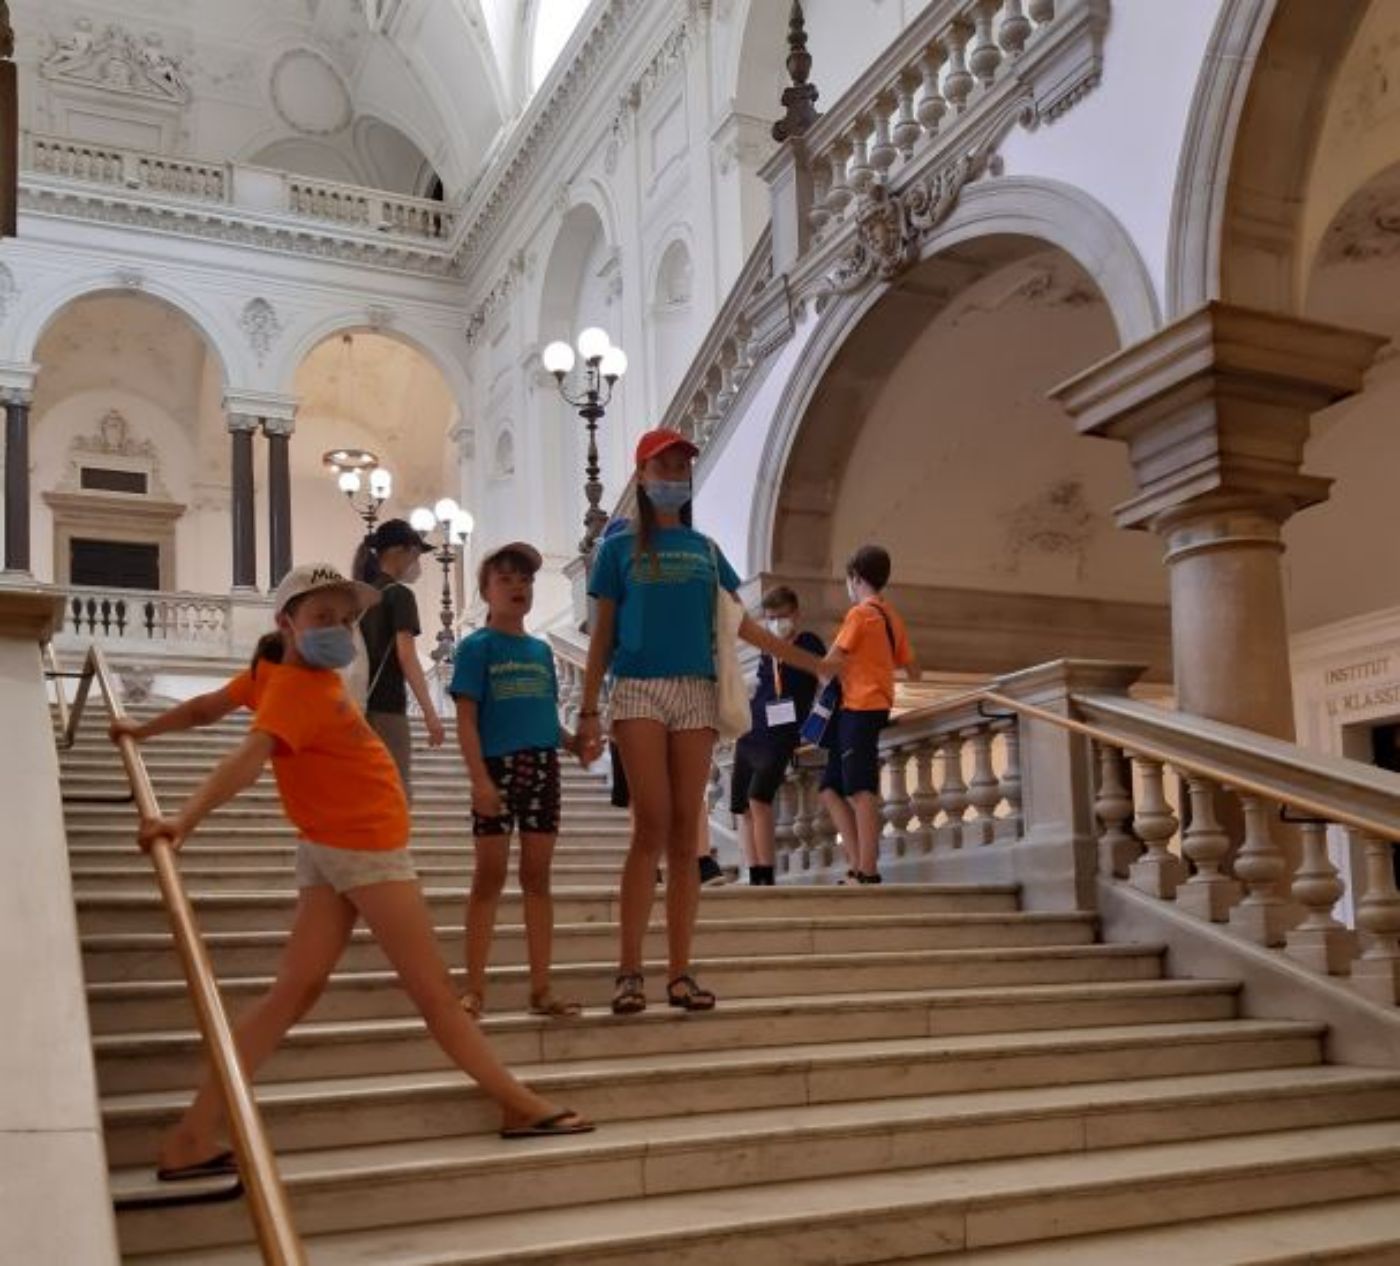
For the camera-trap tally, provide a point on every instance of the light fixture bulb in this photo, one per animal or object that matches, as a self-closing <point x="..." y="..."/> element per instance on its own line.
<point x="462" y="524"/>
<point x="421" y="520"/>
<point x="349" y="482"/>
<point x="381" y="482"/>
<point x="593" y="343"/>
<point x="558" y="358"/>
<point x="446" y="510"/>
<point x="614" y="363"/>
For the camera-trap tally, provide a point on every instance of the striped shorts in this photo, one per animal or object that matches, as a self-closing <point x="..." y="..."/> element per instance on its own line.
<point x="679" y="703"/>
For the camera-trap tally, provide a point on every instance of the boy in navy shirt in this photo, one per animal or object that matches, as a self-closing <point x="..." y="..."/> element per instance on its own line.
<point x="780" y="704"/>
<point x="508" y="730"/>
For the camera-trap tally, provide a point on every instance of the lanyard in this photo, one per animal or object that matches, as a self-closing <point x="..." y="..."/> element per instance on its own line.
<point x="777" y="677"/>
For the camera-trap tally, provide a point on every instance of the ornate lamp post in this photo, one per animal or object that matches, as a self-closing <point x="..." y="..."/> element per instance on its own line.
<point x="358" y="471"/>
<point x="590" y="394"/>
<point x="453" y="528"/>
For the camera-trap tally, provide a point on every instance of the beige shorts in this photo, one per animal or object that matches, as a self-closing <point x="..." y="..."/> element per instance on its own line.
<point x="346" y="868"/>
<point x="397" y="735"/>
<point x="679" y="703"/>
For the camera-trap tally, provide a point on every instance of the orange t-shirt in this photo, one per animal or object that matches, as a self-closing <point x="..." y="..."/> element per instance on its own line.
<point x="867" y="677"/>
<point x="338" y="783"/>
<point x="245" y="689"/>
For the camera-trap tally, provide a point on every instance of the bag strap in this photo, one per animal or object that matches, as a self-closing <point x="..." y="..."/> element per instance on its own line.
<point x="388" y="650"/>
<point x="889" y="627"/>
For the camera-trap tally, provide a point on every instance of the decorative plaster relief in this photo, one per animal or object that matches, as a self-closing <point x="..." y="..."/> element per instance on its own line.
<point x="309" y="94"/>
<point x="117" y="61"/>
<point x="503" y="467"/>
<point x="1368" y="226"/>
<point x="261" y="327"/>
<point x="1058" y="521"/>
<point x="496" y="298"/>
<point x="115" y="444"/>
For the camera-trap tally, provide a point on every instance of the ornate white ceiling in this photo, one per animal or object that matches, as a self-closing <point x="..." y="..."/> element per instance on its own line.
<point x="293" y="83"/>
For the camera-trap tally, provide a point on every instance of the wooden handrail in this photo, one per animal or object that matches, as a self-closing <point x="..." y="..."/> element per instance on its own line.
<point x="257" y="1165"/>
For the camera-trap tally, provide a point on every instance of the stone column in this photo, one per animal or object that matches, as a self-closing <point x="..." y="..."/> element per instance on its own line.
<point x="1215" y="410"/>
<point x="245" y="533"/>
<point x="16" y="403"/>
<point x="279" y="498"/>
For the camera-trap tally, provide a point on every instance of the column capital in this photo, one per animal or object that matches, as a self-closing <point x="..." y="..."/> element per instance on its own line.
<point x="265" y="406"/>
<point x="17" y="382"/>
<point x="281" y="428"/>
<point x="242" y="422"/>
<point x="1220" y="403"/>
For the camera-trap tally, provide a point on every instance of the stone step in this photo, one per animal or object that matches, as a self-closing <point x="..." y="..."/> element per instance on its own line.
<point x="397" y="1184"/>
<point x="130" y="1063"/>
<point x="140" y="1006"/>
<point x="264" y="796"/>
<point x="197" y="754"/>
<point x="237" y="912"/>
<point x="283" y="833"/>
<point x="201" y="851"/>
<point x="145" y="956"/>
<point x="927" y="1211"/>
<point x="87" y="818"/>
<point x="344" y="1111"/>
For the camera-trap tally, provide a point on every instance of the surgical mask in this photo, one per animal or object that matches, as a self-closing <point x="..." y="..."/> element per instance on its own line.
<point x="668" y="495"/>
<point x="414" y="572"/>
<point x="851" y="591"/>
<point x="327" y="648"/>
<point x="782" y="627"/>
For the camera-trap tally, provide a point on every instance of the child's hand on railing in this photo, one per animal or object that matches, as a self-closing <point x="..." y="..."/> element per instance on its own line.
<point x="124" y="727"/>
<point x="170" y="829"/>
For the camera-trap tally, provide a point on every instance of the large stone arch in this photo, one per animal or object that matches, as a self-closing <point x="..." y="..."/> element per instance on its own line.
<point x="1236" y="211"/>
<point x="995" y="223"/>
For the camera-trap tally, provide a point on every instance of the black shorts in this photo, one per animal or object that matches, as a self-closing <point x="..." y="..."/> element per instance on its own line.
<point x="854" y="763"/>
<point x="529" y="785"/>
<point x="759" y="770"/>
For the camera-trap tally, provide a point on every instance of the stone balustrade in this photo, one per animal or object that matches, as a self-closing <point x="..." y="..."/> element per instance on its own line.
<point x="162" y="622"/>
<point x="237" y="185"/>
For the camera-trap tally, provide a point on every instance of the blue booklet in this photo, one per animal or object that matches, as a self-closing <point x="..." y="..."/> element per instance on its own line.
<point x="816" y="729"/>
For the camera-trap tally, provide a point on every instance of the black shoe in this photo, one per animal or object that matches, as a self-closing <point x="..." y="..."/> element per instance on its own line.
<point x="711" y="876"/>
<point x="872" y="878"/>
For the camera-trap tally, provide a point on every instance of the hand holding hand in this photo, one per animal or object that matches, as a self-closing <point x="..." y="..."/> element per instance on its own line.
<point x="437" y="735"/>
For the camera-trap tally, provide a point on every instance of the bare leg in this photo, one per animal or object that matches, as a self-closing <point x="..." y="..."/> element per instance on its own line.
<point x="398" y="917"/>
<point x="642" y="745"/>
<point x="845" y="822"/>
<point x="689" y="754"/>
<point x="536" y="859"/>
<point x="320" y="931"/>
<point x="869" y="825"/>
<point x="747" y="843"/>
<point x="488" y="878"/>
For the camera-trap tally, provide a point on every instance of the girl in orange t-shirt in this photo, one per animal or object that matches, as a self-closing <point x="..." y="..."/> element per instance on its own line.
<point x="352" y="859"/>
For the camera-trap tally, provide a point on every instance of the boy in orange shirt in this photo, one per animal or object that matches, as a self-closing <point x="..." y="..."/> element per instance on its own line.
<point x="871" y="645"/>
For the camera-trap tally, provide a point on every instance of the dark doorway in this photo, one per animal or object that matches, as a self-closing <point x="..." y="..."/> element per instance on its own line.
<point x="1385" y="752"/>
<point x="114" y="564"/>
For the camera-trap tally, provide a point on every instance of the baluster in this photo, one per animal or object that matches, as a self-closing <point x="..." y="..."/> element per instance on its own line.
<point x="925" y="796"/>
<point x="1010" y="730"/>
<point x="819" y="214"/>
<point x="1118" y="846"/>
<point x="932" y="104"/>
<point x="952" y="795"/>
<point x="824" y="835"/>
<point x="986" y="54"/>
<point x="1377" y="971"/>
<point x="898" y="808"/>
<point x="1319" y="941"/>
<point x="1015" y="29"/>
<point x="1263" y="916"/>
<point x="1042" y="11"/>
<point x="92" y="612"/>
<point x="838" y="197"/>
<point x="907" y="130"/>
<point x="149" y="612"/>
<point x="119" y="614"/>
<point x="1157" y="871"/>
<point x="984" y="790"/>
<point x="1209" y="893"/>
<point x="784" y="819"/>
<point x="882" y="150"/>
<point x="107" y="616"/>
<point x="76" y="614"/>
<point x="957" y="81"/>
<point x="860" y="173"/>
<point x="804" y="822"/>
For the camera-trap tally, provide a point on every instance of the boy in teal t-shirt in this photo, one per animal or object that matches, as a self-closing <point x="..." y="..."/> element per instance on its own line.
<point x="508" y="730"/>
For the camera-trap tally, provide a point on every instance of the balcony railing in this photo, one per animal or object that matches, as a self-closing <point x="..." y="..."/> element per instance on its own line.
<point x="147" y="620"/>
<point x="237" y="186"/>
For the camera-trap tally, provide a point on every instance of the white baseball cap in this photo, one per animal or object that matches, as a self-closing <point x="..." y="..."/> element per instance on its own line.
<point x="314" y="577"/>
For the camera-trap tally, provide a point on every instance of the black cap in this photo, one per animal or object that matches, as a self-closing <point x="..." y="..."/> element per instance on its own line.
<point x="396" y="532"/>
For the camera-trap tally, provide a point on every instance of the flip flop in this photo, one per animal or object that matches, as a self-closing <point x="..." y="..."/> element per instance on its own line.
<point x="216" y="1166"/>
<point x="554" y="1008"/>
<point x="550" y="1126"/>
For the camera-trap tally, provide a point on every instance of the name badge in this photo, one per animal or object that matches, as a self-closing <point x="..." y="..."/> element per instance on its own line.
<point x="784" y="712"/>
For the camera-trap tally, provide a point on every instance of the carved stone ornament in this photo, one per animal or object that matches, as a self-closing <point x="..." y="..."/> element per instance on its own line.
<point x="114" y="443"/>
<point x="9" y="290"/>
<point x="495" y="298"/>
<point x="260" y="326"/>
<point x="117" y="61"/>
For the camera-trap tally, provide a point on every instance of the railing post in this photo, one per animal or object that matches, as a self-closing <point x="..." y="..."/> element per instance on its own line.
<point x="1056" y="861"/>
<point x="1377" y="971"/>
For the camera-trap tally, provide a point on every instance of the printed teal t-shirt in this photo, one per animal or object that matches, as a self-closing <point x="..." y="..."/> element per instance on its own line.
<point x="665" y="614"/>
<point x="511" y="677"/>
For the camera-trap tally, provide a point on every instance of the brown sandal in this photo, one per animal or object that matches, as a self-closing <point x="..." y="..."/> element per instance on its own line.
<point x="684" y="992"/>
<point x="629" y="997"/>
<point x="473" y="1004"/>
<point x="547" y="1004"/>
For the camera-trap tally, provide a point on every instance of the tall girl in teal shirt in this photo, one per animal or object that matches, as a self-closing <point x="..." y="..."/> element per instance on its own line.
<point x="655" y="588"/>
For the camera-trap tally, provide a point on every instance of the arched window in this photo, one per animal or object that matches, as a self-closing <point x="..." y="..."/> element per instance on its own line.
<point x="555" y="21"/>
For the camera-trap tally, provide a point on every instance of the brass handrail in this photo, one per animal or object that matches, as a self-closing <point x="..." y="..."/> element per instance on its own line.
<point x="267" y="1198"/>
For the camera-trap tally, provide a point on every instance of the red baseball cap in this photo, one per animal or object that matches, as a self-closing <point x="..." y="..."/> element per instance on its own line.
<point x="656" y="442"/>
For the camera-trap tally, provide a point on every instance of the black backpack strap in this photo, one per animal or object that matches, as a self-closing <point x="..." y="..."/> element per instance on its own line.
<point x="889" y="628"/>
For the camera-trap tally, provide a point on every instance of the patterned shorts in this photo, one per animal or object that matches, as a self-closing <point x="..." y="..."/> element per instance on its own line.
<point x="529" y="785"/>
<point x="679" y="703"/>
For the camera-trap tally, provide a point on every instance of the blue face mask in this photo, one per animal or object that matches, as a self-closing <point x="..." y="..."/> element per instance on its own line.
<point x="327" y="648"/>
<point x="668" y="495"/>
